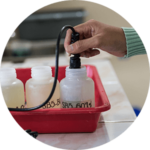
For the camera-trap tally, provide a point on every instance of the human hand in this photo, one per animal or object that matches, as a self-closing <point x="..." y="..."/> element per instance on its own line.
<point x="95" y="35"/>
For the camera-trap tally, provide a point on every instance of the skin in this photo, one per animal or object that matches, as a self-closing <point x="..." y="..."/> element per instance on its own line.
<point x="95" y="35"/>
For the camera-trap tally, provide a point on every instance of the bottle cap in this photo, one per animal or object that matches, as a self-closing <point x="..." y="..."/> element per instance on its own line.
<point x="39" y="72"/>
<point x="7" y="73"/>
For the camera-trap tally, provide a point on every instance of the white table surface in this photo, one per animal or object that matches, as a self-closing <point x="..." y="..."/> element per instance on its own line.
<point x="111" y="123"/>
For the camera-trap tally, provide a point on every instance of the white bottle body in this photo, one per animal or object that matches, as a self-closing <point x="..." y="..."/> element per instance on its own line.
<point x="12" y="89"/>
<point x="77" y="90"/>
<point x="38" y="90"/>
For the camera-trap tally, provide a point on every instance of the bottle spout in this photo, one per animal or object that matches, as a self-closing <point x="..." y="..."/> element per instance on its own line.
<point x="75" y="61"/>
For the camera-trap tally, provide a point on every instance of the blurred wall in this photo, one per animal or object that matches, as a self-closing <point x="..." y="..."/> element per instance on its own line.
<point x="95" y="11"/>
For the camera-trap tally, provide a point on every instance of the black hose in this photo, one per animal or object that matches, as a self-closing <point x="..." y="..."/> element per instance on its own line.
<point x="56" y="72"/>
<point x="32" y="133"/>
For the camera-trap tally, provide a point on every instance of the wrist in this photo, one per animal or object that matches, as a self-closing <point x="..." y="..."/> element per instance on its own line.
<point x="117" y="42"/>
<point x="123" y="47"/>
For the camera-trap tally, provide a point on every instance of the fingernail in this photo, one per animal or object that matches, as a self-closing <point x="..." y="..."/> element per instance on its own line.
<point x="71" y="47"/>
<point x="96" y="53"/>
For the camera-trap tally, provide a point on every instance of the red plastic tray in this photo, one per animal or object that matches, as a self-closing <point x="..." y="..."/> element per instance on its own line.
<point x="62" y="120"/>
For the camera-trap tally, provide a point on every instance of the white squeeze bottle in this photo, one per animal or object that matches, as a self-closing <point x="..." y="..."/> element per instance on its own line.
<point x="76" y="89"/>
<point x="12" y="88"/>
<point x="39" y="87"/>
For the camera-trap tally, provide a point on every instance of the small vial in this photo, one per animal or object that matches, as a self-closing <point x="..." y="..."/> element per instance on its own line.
<point x="12" y="88"/>
<point x="76" y="89"/>
<point x="39" y="87"/>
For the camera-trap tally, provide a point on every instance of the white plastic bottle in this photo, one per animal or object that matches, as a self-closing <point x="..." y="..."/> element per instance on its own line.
<point x="12" y="88"/>
<point x="39" y="87"/>
<point x="77" y="90"/>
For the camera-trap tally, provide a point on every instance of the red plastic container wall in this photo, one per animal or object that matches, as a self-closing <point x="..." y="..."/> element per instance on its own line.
<point x="60" y="120"/>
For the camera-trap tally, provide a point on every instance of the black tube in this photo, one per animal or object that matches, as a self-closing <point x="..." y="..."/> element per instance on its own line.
<point x="56" y="72"/>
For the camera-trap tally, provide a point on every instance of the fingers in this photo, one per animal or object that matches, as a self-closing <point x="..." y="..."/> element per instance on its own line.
<point x="86" y="42"/>
<point x="90" y="53"/>
<point x="67" y="38"/>
<point x="82" y="45"/>
<point x="83" y="29"/>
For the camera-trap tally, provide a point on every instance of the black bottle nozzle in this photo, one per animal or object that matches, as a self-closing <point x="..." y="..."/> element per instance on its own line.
<point x="74" y="37"/>
<point x="75" y="60"/>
